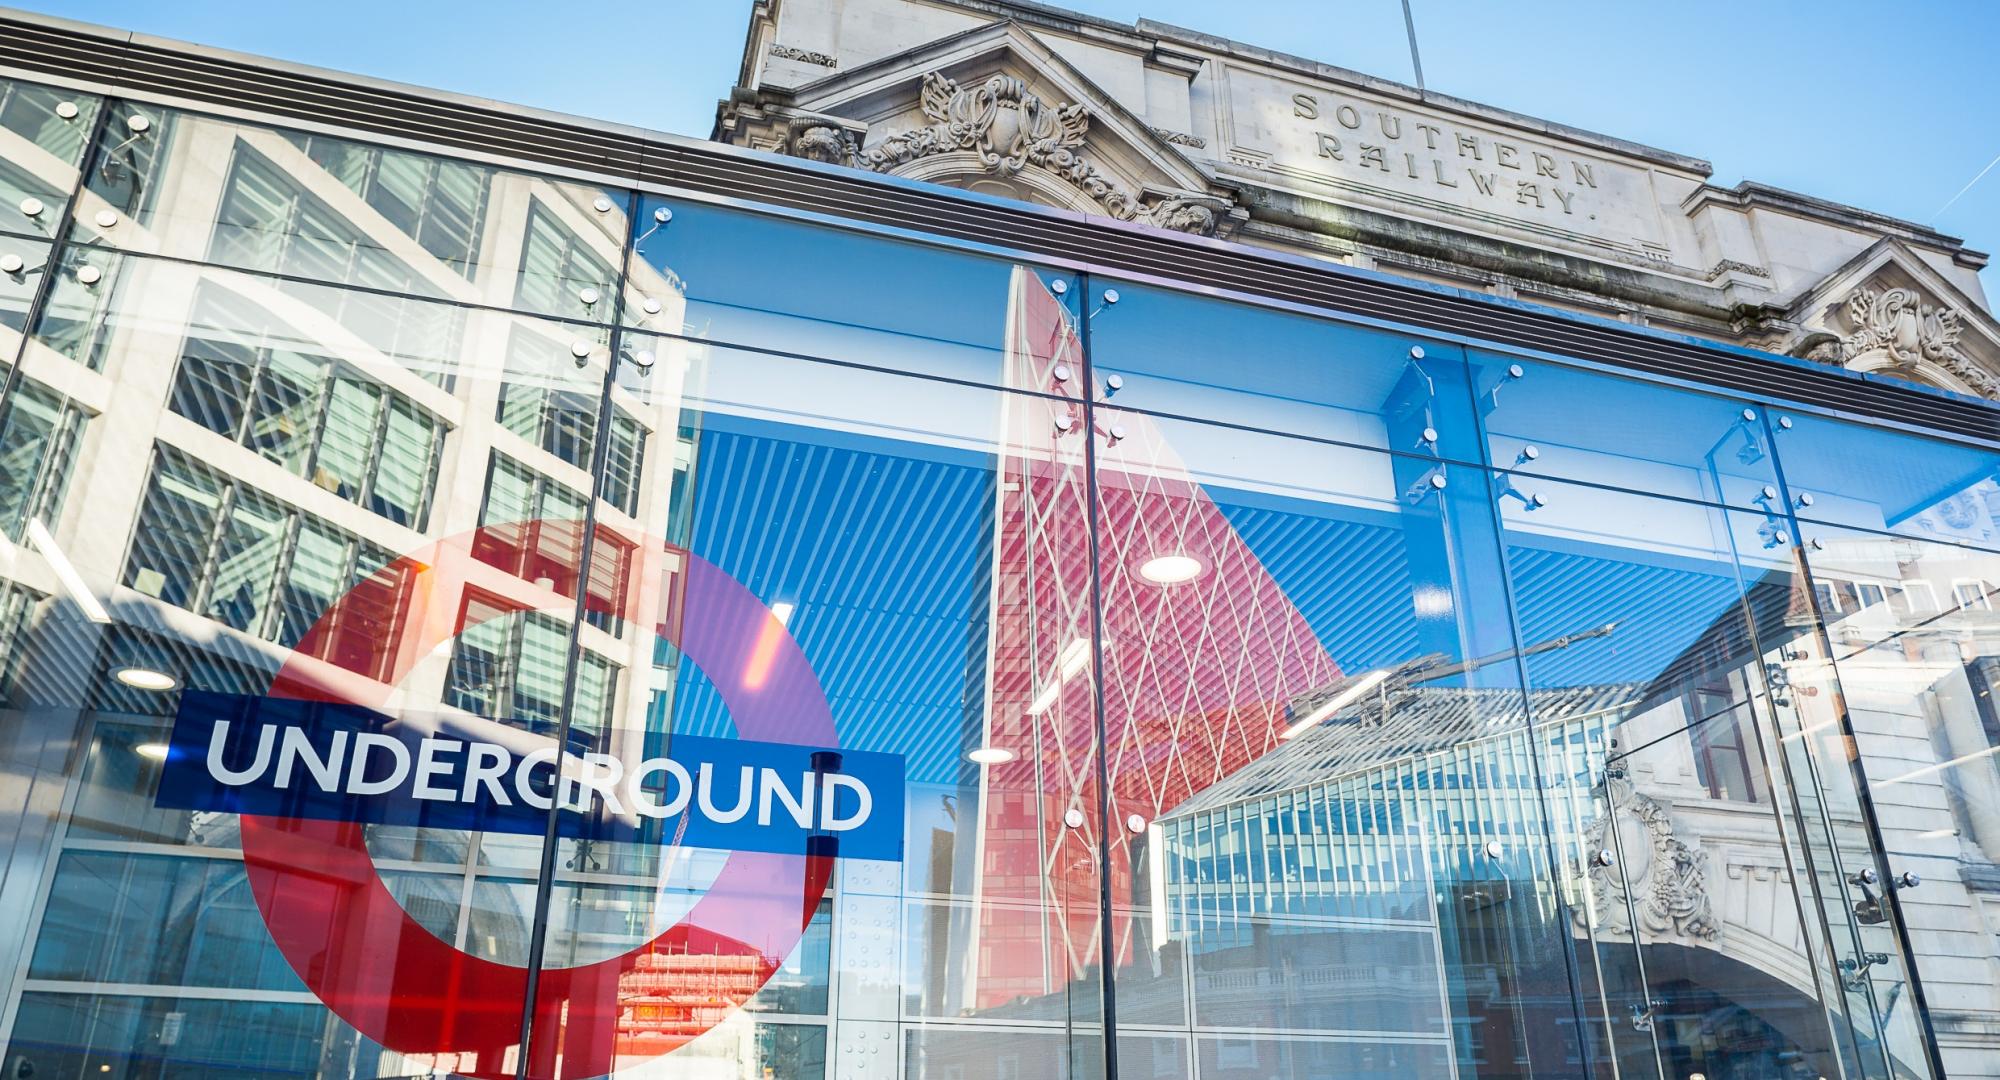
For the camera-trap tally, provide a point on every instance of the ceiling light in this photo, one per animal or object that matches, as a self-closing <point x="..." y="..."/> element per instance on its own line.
<point x="72" y="582"/>
<point x="1358" y="686"/>
<point x="1075" y="657"/>
<point x="990" y="755"/>
<point x="154" y="750"/>
<point x="139" y="678"/>
<point x="1171" y="569"/>
<point x="782" y="611"/>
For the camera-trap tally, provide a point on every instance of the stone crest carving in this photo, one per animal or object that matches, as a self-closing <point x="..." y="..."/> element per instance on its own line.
<point x="1899" y="323"/>
<point x="1007" y="128"/>
<point x="1665" y="879"/>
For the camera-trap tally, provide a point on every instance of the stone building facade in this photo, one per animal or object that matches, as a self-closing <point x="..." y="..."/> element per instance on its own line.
<point x="1177" y="129"/>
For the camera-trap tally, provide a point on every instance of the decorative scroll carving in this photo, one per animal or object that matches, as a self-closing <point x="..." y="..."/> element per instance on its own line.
<point x="804" y="56"/>
<point x="1181" y="138"/>
<point x="1007" y="129"/>
<point x="1667" y="880"/>
<point x="1897" y="322"/>
<point x="1727" y="265"/>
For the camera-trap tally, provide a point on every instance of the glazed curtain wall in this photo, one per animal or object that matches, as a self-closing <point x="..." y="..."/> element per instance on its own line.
<point x="461" y="621"/>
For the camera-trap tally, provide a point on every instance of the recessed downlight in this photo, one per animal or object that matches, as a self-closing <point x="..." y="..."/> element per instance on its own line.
<point x="156" y="751"/>
<point x="1171" y="569"/>
<point x="139" y="678"/>
<point x="990" y="755"/>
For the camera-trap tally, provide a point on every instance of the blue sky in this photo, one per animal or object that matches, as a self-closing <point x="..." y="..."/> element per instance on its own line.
<point x="1893" y="109"/>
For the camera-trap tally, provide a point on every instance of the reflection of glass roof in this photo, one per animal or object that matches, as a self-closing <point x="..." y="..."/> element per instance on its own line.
<point x="1416" y="721"/>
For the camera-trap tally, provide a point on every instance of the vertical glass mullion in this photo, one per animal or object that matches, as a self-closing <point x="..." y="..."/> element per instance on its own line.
<point x="205" y="581"/>
<point x="573" y="652"/>
<point x="1551" y="851"/>
<point x="1101" y="777"/>
<point x="386" y="400"/>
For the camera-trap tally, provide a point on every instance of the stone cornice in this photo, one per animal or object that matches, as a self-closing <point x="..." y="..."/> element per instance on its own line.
<point x="1750" y="194"/>
<point x="1147" y="35"/>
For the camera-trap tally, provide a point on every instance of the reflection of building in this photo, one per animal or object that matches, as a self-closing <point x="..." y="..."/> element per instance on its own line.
<point x="670" y="999"/>
<point x="283" y="360"/>
<point x="1295" y="672"/>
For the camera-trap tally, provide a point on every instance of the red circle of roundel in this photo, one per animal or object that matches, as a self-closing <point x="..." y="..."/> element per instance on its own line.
<point x="395" y="982"/>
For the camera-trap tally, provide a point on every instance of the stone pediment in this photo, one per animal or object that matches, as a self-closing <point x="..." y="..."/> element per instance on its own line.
<point x="1888" y="311"/>
<point x="993" y="110"/>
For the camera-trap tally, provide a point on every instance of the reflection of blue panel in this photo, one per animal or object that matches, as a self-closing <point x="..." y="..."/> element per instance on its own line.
<point x="1347" y="578"/>
<point x="1346" y="572"/>
<point x="888" y="559"/>
<point x="1660" y="610"/>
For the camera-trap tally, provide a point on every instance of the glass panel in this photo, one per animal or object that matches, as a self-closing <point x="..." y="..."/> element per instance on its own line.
<point x="1327" y="829"/>
<point x="851" y="301"/>
<point x="849" y="588"/>
<point x="1187" y="355"/>
<point x="1889" y="481"/>
<point x="247" y="654"/>
<point x="1543" y="419"/>
<point x="42" y="132"/>
<point x="318" y="208"/>
<point x="1912" y="635"/>
<point x="1655" y="632"/>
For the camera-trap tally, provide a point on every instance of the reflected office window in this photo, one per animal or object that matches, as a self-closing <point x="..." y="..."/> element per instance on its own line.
<point x="1971" y="596"/>
<point x="39" y="429"/>
<point x="557" y="266"/>
<point x="532" y="527"/>
<point x="268" y="222"/>
<point x="313" y="415"/>
<point x="436" y="202"/>
<point x="1921" y="597"/>
<point x="1726" y="759"/>
<point x="211" y="544"/>
<point x="550" y="402"/>
<point x="508" y="663"/>
<point x="624" y="462"/>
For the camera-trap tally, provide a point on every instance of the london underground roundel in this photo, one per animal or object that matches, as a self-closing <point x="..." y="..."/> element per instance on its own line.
<point x="323" y="754"/>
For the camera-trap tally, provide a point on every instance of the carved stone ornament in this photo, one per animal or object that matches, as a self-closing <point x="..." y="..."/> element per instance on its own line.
<point x="1008" y="129"/>
<point x="1897" y="322"/>
<point x="1667" y="880"/>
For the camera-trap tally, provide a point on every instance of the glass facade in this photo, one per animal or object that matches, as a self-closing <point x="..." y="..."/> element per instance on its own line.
<point x="461" y="621"/>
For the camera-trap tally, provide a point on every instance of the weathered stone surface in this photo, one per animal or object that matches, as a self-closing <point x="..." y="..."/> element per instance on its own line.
<point x="1156" y="124"/>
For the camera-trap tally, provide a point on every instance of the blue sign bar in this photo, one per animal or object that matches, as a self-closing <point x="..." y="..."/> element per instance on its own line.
<point x="282" y="758"/>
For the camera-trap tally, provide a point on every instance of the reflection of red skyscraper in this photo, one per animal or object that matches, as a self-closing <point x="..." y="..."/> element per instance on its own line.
<point x="1196" y="673"/>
